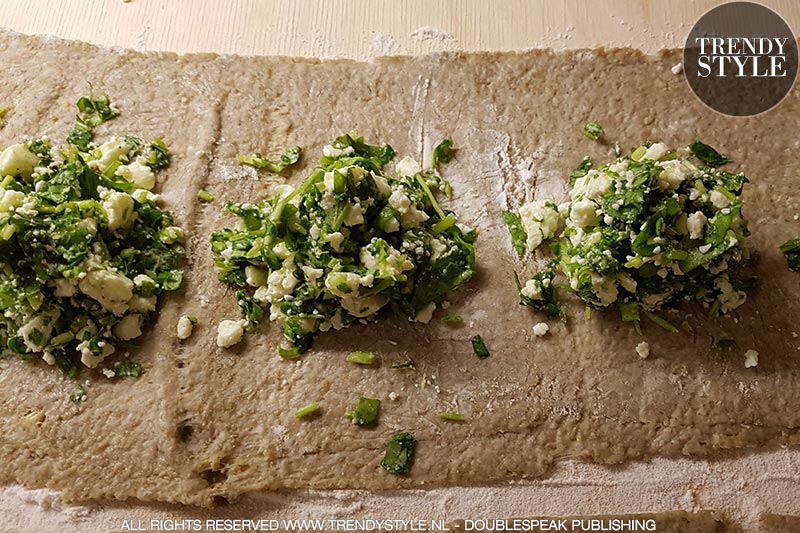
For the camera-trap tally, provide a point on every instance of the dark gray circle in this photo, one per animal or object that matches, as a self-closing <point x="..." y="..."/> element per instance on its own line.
<point x="734" y="60"/>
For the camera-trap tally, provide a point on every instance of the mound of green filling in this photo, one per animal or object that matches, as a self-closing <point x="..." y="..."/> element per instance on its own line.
<point x="649" y="230"/>
<point x="350" y="243"/>
<point x="84" y="247"/>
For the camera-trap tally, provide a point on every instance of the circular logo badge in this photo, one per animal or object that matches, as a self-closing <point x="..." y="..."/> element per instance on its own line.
<point x="740" y="59"/>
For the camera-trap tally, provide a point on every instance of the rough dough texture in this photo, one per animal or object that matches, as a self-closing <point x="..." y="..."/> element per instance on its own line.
<point x="204" y="425"/>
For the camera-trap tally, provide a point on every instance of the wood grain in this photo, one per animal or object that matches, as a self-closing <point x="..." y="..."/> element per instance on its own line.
<point x="361" y="29"/>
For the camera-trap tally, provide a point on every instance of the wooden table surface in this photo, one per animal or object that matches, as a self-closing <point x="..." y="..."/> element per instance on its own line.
<point x="361" y="29"/>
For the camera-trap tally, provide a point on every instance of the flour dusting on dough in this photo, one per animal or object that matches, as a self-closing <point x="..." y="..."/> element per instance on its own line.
<point x="431" y="33"/>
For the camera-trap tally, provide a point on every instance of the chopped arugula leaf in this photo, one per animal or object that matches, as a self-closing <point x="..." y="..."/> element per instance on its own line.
<point x="307" y="411"/>
<point x="791" y="249"/>
<point x="405" y="365"/>
<point x="399" y="453"/>
<point x="290" y="157"/>
<point x="479" y="347"/>
<point x="366" y="412"/>
<point x="362" y="358"/>
<point x="593" y="130"/>
<point x="580" y="171"/>
<point x="351" y="243"/>
<point x="93" y="112"/>
<point x="519" y="238"/>
<point x="452" y="417"/>
<point x="79" y="395"/>
<point x="442" y="152"/>
<point x="126" y="369"/>
<point x="708" y="155"/>
<point x="205" y="196"/>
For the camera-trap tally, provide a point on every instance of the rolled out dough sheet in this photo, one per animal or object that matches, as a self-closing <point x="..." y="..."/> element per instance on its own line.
<point x="205" y="425"/>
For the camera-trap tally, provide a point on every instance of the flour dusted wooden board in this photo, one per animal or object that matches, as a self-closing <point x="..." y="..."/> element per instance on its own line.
<point x="206" y="424"/>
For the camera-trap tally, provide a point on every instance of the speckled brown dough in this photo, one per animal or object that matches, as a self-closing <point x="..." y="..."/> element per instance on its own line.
<point x="204" y="423"/>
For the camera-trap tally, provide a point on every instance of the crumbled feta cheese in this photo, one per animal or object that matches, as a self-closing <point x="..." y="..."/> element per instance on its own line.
<point x="540" y="329"/>
<point x="583" y="213"/>
<point x="719" y="200"/>
<point x="118" y="207"/>
<point x="355" y="215"/>
<point x="138" y="174"/>
<point x="656" y="151"/>
<point x="17" y="160"/>
<point x="114" y="150"/>
<point x="129" y="327"/>
<point x="10" y="200"/>
<point x="593" y="185"/>
<point x="750" y="359"/>
<point x="677" y="68"/>
<point x="407" y="166"/>
<point x="695" y="223"/>
<point x="184" y="327"/>
<point x="255" y="277"/>
<point x="532" y="289"/>
<point x="329" y="151"/>
<point x="230" y="332"/>
<point x="729" y="297"/>
<point x="540" y="222"/>
<point x="605" y="289"/>
<point x="336" y="239"/>
<point x="643" y="349"/>
<point x="112" y="289"/>
<point x="672" y="175"/>
<point x="91" y="360"/>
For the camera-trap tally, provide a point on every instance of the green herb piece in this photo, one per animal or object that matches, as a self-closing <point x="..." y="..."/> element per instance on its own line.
<point x="399" y="453"/>
<point x="519" y="238"/>
<point x="725" y="344"/>
<point x="307" y="411"/>
<point x="79" y="395"/>
<point x="366" y="412"/>
<point x="336" y="249"/>
<point x="451" y="417"/>
<point x="125" y="369"/>
<point x="453" y="319"/>
<point x="708" y="155"/>
<point x="157" y="155"/>
<point x="791" y="249"/>
<point x="593" y="130"/>
<point x="205" y="196"/>
<point x="3" y="121"/>
<point x="442" y="153"/>
<point x="405" y="365"/>
<point x="479" y="347"/>
<point x="290" y="157"/>
<point x="647" y="231"/>
<point x="362" y="358"/>
<point x="93" y="112"/>
<point x="91" y="250"/>
<point x="580" y="171"/>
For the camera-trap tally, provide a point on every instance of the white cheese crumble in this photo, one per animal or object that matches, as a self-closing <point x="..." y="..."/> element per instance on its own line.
<point x="230" y="332"/>
<point x="184" y="327"/>
<point x="17" y="159"/>
<point x="540" y="222"/>
<point x="540" y="329"/>
<point x="643" y="349"/>
<point x="750" y="359"/>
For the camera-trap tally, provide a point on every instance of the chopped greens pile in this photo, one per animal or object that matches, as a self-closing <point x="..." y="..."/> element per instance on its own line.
<point x="348" y="244"/>
<point x="84" y="247"/>
<point x="649" y="230"/>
